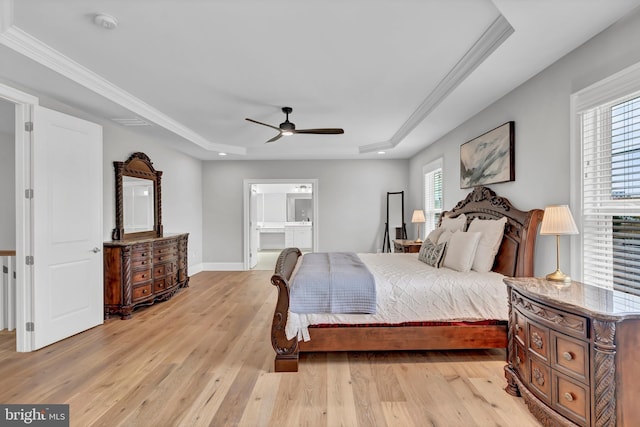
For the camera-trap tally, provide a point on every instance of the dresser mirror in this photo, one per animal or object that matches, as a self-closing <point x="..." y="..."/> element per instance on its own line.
<point x="138" y="199"/>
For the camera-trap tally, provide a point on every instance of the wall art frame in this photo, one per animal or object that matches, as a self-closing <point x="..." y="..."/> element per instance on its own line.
<point x="489" y="158"/>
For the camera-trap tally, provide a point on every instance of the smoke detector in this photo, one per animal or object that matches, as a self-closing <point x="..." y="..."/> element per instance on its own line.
<point x="105" y="21"/>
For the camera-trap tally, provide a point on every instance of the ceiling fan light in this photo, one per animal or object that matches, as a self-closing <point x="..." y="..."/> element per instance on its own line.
<point x="287" y="133"/>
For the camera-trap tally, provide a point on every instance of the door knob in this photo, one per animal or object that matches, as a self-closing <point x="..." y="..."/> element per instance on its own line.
<point x="95" y="250"/>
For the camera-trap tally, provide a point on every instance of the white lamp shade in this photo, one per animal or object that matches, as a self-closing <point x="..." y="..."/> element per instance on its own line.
<point x="418" y="216"/>
<point x="557" y="220"/>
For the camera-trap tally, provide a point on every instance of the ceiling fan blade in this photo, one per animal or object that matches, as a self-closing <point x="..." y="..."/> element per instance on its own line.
<point x="327" y="131"/>
<point x="275" y="138"/>
<point x="263" y="124"/>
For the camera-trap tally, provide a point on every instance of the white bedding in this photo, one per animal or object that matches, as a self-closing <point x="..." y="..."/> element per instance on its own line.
<point x="409" y="290"/>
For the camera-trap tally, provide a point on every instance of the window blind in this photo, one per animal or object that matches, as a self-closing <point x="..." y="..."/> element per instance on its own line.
<point x="610" y="135"/>
<point x="432" y="198"/>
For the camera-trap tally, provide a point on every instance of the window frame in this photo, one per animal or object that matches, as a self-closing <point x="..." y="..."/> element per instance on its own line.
<point x="617" y="86"/>
<point x="427" y="169"/>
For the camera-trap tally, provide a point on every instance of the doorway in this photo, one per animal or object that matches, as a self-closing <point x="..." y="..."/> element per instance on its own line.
<point x="278" y="213"/>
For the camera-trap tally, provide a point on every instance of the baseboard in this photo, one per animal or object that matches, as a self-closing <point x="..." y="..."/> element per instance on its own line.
<point x="195" y="269"/>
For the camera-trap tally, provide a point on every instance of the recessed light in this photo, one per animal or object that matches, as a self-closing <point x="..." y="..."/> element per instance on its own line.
<point x="105" y="21"/>
<point x="222" y="154"/>
<point x="382" y="152"/>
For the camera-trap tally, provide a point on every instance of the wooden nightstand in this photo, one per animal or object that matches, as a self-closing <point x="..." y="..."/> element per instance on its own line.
<point x="572" y="352"/>
<point x="406" y="246"/>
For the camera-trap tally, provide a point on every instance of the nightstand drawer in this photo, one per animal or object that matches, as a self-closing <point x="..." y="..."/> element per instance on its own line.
<point x="539" y="378"/>
<point x="538" y="340"/>
<point x="571" y="357"/>
<point x="562" y="321"/>
<point x="520" y="322"/>
<point x="571" y="399"/>
<point x="520" y="361"/>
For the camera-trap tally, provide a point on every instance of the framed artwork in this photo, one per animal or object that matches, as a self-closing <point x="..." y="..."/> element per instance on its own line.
<point x="489" y="158"/>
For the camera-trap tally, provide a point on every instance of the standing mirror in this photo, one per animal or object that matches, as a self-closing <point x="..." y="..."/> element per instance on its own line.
<point x="138" y="199"/>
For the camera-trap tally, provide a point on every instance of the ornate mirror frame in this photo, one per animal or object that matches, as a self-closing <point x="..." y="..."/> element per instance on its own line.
<point x="138" y="165"/>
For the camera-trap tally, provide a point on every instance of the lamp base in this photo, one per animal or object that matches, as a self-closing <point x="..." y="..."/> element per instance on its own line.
<point x="418" y="240"/>
<point x="558" y="276"/>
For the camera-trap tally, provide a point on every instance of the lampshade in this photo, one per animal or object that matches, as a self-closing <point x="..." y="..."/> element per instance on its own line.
<point x="557" y="220"/>
<point x="418" y="216"/>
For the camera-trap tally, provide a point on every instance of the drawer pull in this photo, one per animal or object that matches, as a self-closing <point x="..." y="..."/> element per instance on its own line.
<point x="143" y="276"/>
<point x="567" y="355"/>
<point x="536" y="339"/>
<point x="144" y="291"/>
<point x="518" y="361"/>
<point x="568" y="396"/>
<point x="518" y="328"/>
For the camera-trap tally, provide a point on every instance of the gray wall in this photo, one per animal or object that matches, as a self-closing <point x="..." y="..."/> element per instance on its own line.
<point x="351" y="201"/>
<point x="540" y="109"/>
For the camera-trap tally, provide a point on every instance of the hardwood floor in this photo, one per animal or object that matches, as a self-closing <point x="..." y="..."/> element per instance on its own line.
<point x="204" y="358"/>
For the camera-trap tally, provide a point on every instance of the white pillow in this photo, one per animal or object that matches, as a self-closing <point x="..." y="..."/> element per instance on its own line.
<point x="444" y="236"/>
<point x="492" y="231"/>
<point x="435" y="234"/>
<point x="453" y="224"/>
<point x="461" y="250"/>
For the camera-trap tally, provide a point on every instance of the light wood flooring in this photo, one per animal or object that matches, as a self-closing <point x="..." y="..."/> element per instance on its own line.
<point x="205" y="358"/>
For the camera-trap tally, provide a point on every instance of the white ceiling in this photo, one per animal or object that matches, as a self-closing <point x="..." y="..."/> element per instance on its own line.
<point x="396" y="75"/>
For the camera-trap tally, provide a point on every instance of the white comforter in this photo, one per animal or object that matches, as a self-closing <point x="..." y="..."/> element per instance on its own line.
<point x="408" y="290"/>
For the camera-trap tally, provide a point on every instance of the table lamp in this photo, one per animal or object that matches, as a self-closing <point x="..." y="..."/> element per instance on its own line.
<point x="557" y="220"/>
<point x="418" y="218"/>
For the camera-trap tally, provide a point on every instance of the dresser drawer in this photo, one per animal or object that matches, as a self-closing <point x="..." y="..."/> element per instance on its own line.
<point x="140" y="276"/>
<point x="165" y="257"/>
<point x="165" y="246"/>
<point x="538" y="340"/>
<point x="140" y="262"/>
<point x="571" y="399"/>
<point x="159" y="285"/>
<point x="570" y="356"/>
<point x="141" y="292"/>
<point x="520" y="326"/>
<point x="562" y="321"/>
<point x="141" y="250"/>
<point x="539" y="378"/>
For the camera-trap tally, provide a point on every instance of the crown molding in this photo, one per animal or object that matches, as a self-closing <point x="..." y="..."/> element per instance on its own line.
<point x="489" y="41"/>
<point x="27" y="45"/>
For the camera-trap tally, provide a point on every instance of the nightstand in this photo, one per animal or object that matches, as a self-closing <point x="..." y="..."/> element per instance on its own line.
<point x="572" y="352"/>
<point x="406" y="246"/>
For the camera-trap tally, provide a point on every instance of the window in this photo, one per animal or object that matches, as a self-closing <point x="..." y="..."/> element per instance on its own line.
<point x="432" y="194"/>
<point x="610" y="142"/>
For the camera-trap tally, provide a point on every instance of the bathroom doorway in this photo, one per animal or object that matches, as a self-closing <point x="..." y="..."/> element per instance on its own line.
<point x="279" y="214"/>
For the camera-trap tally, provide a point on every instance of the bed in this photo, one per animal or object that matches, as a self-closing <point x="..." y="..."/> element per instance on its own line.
<point x="514" y="258"/>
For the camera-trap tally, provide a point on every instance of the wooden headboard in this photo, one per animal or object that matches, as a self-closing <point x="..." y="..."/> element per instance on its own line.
<point x="516" y="253"/>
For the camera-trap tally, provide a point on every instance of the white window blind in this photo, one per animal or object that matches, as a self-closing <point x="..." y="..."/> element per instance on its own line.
<point x="610" y="136"/>
<point x="432" y="198"/>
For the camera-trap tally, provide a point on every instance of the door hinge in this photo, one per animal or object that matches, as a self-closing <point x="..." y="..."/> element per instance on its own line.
<point x="28" y="193"/>
<point x="28" y="126"/>
<point x="29" y="259"/>
<point x="30" y="327"/>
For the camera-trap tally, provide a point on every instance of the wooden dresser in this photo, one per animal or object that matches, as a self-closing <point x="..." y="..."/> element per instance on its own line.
<point x="142" y="271"/>
<point x="573" y="351"/>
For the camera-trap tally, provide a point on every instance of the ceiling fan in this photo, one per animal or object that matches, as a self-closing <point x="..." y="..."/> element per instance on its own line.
<point x="287" y="128"/>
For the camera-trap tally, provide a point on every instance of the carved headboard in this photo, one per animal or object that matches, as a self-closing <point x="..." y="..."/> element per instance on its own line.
<point x="516" y="254"/>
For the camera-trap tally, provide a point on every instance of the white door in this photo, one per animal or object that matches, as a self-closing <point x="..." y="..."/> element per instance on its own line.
<point x="253" y="227"/>
<point x="67" y="226"/>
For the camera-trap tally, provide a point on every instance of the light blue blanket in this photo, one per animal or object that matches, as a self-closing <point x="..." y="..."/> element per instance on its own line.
<point x="335" y="282"/>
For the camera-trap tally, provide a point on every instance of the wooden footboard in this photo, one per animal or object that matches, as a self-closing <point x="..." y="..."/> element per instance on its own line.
<point x="286" y="350"/>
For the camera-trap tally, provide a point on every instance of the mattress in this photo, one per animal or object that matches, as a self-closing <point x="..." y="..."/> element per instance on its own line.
<point x="410" y="291"/>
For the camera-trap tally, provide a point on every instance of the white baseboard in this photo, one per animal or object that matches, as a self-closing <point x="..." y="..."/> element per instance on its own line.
<point x="195" y="269"/>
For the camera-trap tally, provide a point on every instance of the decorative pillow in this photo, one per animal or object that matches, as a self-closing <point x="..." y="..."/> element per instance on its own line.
<point x="431" y="253"/>
<point x="435" y="234"/>
<point x="453" y="224"/>
<point x="492" y="231"/>
<point x="461" y="250"/>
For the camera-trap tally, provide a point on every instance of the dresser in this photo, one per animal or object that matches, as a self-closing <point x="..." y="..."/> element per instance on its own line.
<point x="572" y="352"/>
<point x="406" y="246"/>
<point x="143" y="271"/>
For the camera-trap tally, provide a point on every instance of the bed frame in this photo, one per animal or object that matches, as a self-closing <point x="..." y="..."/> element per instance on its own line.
<point x="514" y="258"/>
